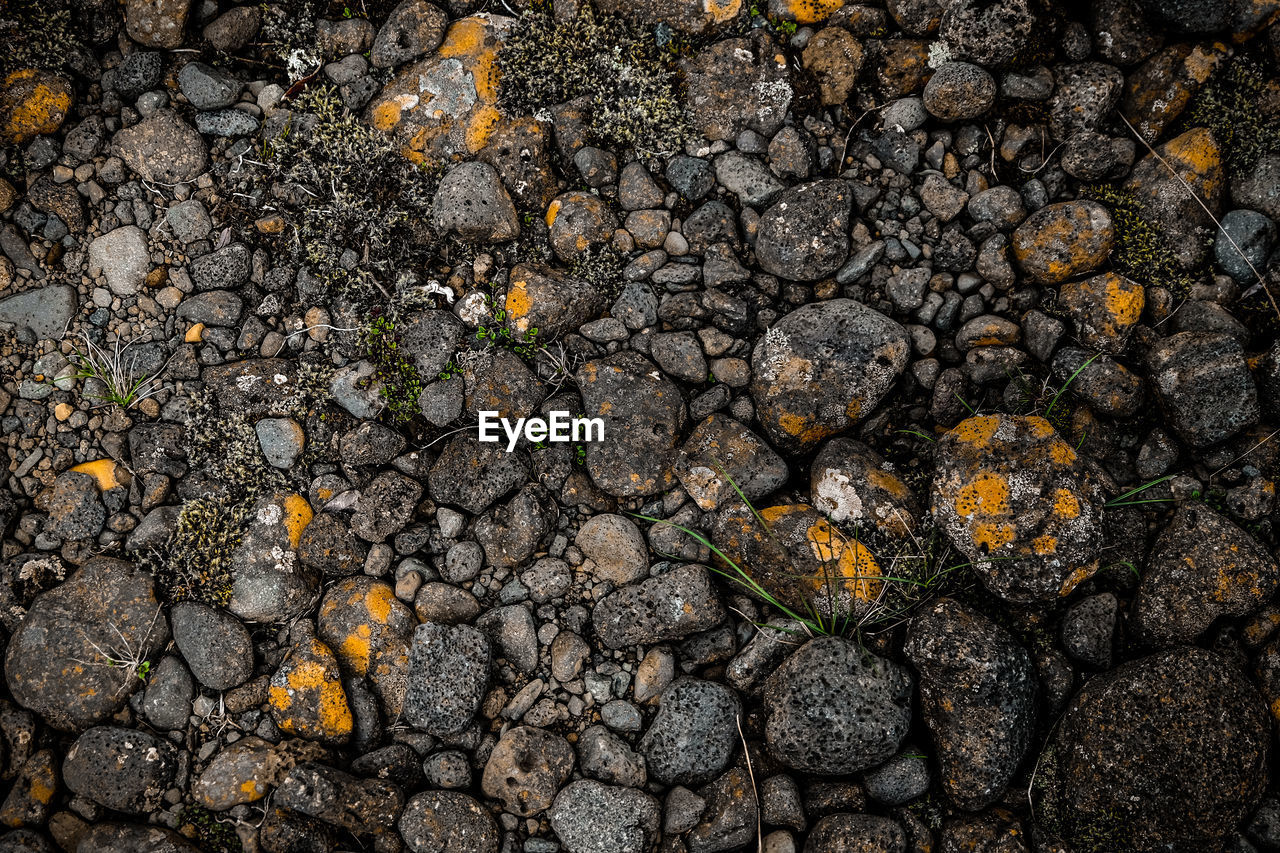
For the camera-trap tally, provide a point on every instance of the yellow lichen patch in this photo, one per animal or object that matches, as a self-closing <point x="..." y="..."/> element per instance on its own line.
<point x="253" y="789"/>
<point x="844" y="560"/>
<point x="297" y="515"/>
<point x="1078" y="576"/>
<point x="195" y="334"/>
<point x="1197" y="159"/>
<point x="1066" y="504"/>
<point x="887" y="482"/>
<point x="801" y="428"/>
<point x="977" y="430"/>
<point x="33" y="103"/>
<point x="987" y="495"/>
<point x="992" y="535"/>
<point x="1124" y="300"/>
<point x="481" y="126"/>
<point x="553" y="210"/>
<point x="306" y="697"/>
<point x="1275" y="709"/>
<point x="108" y="474"/>
<point x="722" y="10"/>
<point x="1044" y="545"/>
<point x="355" y="650"/>
<point x="386" y="115"/>
<point x="379" y="600"/>
<point x="807" y="11"/>
<point x="1062" y="453"/>
<point x="519" y="304"/>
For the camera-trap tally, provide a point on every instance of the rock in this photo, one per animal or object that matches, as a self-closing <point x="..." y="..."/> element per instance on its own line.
<point x="106" y="603"/>
<point x="282" y="441"/>
<point x="694" y="735"/>
<point x="32" y="792"/>
<point x="214" y="308"/>
<point x="1243" y="244"/>
<point x="834" y="57"/>
<point x="686" y="16"/>
<point x="977" y="696"/>
<point x="1260" y="189"/>
<point x="1117" y="768"/>
<point x="122" y="257"/>
<point x="643" y="613"/>
<point x="1021" y="504"/>
<point x="833" y="709"/>
<point x="959" y="91"/>
<point x="899" y="780"/>
<point x="163" y="148"/>
<point x="447" y="820"/>
<point x="1062" y="241"/>
<point x="526" y="769"/>
<point x="1107" y="386"/>
<point x="1164" y="202"/>
<point x="75" y="510"/>
<point x="615" y="547"/>
<point x="156" y="23"/>
<point x="473" y="475"/>
<point x="721" y="457"/>
<point x="133" y="838"/>
<point x="748" y="178"/>
<point x="414" y="28"/>
<point x="549" y="301"/>
<point x="804" y="235"/>
<point x="268" y="582"/>
<point x="589" y="817"/>
<point x="167" y="700"/>
<point x="140" y="72"/>
<point x="215" y="644"/>
<point x="472" y="203"/>
<point x="233" y="29"/>
<point x="369" y="630"/>
<point x="852" y="484"/>
<point x="1159" y="90"/>
<point x="1088" y="630"/>
<point x="306" y="696"/>
<point x="363" y="807"/>
<point x="992" y="35"/>
<point x="448" y="677"/>
<point x="444" y="106"/>
<point x="824" y="367"/>
<point x="1105" y="308"/>
<point x="123" y="769"/>
<point x="1084" y="96"/>
<point x="604" y="756"/>
<point x="33" y="103"/>
<point x="737" y="84"/>
<point x="578" y="221"/>
<point x="1201" y="567"/>
<point x="499" y="380"/>
<point x="1204" y="386"/>
<point x="643" y="417"/>
<point x="241" y="772"/>
<point x="225" y="269"/>
<point x="46" y="311"/>
<point x="61" y="200"/>
<point x="208" y="88"/>
<point x="510" y="533"/>
<point x="730" y="819"/>
<point x="1000" y="205"/>
<point x="1190" y="16"/>
<point x="856" y="833"/>
<point x="385" y="506"/>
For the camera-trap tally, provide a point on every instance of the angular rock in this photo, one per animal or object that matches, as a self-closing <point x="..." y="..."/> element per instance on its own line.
<point x="436" y="821"/>
<point x="549" y="301"/>
<point x="804" y="235"/>
<point x="1164" y="202"/>
<point x="306" y="696"/>
<point x="369" y="630"/>
<point x="413" y="28"/>
<point x="123" y="769"/>
<point x="472" y="203"/>
<point x="364" y="807"/>
<point x="738" y="84"/>
<point x="163" y="148"/>
<point x="1105" y="308"/>
<point x="123" y="258"/>
<point x="615" y="547"/>
<point x="644" y="613"/>
<point x="722" y="453"/>
<point x="1204" y="386"/>
<point x="526" y="769"/>
<point x="156" y="23"/>
<point x="977" y="696"/>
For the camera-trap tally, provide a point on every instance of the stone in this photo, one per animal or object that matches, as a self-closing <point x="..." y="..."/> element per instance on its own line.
<point x="156" y="23"/>
<point x="643" y="417"/>
<point x="1159" y="185"/>
<point x="369" y="630"/>
<point x="1088" y="630"/>
<point x="590" y="817"/>
<point x="43" y="658"/>
<point x="641" y="612"/>
<point x="268" y="583"/>
<point x="824" y="367"/>
<point x="367" y="808"/>
<point x="1105" y="309"/>
<point x="122" y="257"/>
<point x="856" y="833"/>
<point x="447" y="820"/>
<point x="33" y="103"/>
<point x="1190" y="16"/>
<point x="1201" y="567"/>
<point x="1159" y="90"/>
<point x="1108" y="387"/>
<point x="959" y="91"/>
<point x="1243" y="244"/>
<point x="46" y="310"/>
<point x="511" y="532"/>
<point x="1259" y="190"/>
<point x="216" y="645"/>
<point x="730" y="820"/>
<point x="75" y="510"/>
<point x="122" y="769"/>
<point x="852" y="484"/>
<point x="1084" y="96"/>
<point x="804" y="235"/>
<point x="615" y="547"/>
<point x="977" y="696"/>
<point x="833" y="709"/>
<point x="606" y="757"/>
<point x="472" y="203"/>
<point x="1204" y="386"/>
<point x="162" y="148"/>
<point x="306" y="697"/>
<point x="281" y="439"/>
<point x="1063" y="240"/>
<point x="414" y="28"/>
<point x="835" y="58"/>
<point x="526" y="769"/>
<point x="1019" y="502"/>
<point x="992" y="35"/>
<point x="1118" y="763"/>
<point x="738" y="84"/>
<point x="208" y="88"/>
<point x="448" y="677"/>
<point x="474" y="474"/>
<point x="578" y="221"/>
<point x="166" y="702"/>
<point x="385" y="506"/>
<point x="240" y="772"/>
<point x="748" y="178"/>
<point x="233" y="29"/>
<point x="694" y="735"/>
<point x="722" y="457"/>
<point x="133" y="838"/>
<point x="901" y="779"/>
<point x="544" y="301"/>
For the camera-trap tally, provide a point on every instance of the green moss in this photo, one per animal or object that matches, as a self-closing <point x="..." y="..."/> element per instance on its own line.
<point x="208" y="832"/>
<point x="601" y="267"/>
<point x="398" y="380"/>
<point x="36" y="33"/>
<point x="628" y="81"/>
<point x="1228" y="107"/>
<point x="1141" y="251"/>
<point x="195" y="564"/>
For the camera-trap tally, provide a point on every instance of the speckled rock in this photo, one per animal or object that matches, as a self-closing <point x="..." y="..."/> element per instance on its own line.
<point x="1118" y="764"/>
<point x="1204" y="386"/>
<point x="852" y="484"/>
<point x="1158" y="91"/>
<point x="472" y="203"/>
<point x="835" y="58"/>
<point x="162" y="147"/>
<point x="367" y="808"/>
<point x="615" y="547"/>
<point x="977" y="696"/>
<point x="526" y="769"/>
<point x="738" y="84"/>
<point x="33" y="102"/>
<point x="131" y="838"/>
<point x="578" y="221"/>
<point x="123" y="769"/>
<point x="268" y="581"/>
<point x="156" y="23"/>
<point x="1084" y="96"/>
<point x="1201" y="567"/>
<point x="549" y="301"/>
<point x="590" y="817"/>
<point x="959" y="91"/>
<point x="856" y="833"/>
<point x="1164" y="202"/>
<point x="694" y="735"/>
<point x="435" y="821"/>
<point x="215" y="644"/>
<point x="671" y="606"/>
<point x="803" y="236"/>
<point x="1105" y="308"/>
<point x="990" y="34"/>
<point x="1063" y="240"/>
<point x="833" y="709"/>
<point x="722" y="453"/>
<point x="1020" y="503"/>
<point x="413" y="28"/>
<point x="448" y="676"/>
<point x="43" y="659"/>
<point x="824" y="367"/>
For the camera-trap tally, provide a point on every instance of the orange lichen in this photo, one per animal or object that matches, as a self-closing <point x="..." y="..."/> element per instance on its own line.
<point x="1066" y="504"/>
<point x="978" y="430"/>
<point x="298" y="515"/>
<point x="987" y="495"/>
<point x="108" y="474"/>
<point x="33" y="103"/>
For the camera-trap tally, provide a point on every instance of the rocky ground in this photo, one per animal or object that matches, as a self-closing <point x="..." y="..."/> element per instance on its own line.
<point x="935" y="347"/>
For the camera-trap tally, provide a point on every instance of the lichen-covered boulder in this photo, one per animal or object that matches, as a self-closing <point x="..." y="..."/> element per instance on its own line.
<point x="32" y="103"/>
<point x="1019" y="502"/>
<point x="1168" y="752"/>
<point x="549" y="301"/>
<point x="1159" y="183"/>
<point x="369" y="630"/>
<point x="269" y="583"/>
<point x="851" y="484"/>
<point x="306" y="697"/>
<point x="738" y="84"/>
<point x="824" y="367"/>
<point x="1201" y="567"/>
<point x="1105" y="308"/>
<point x="1063" y="240"/>
<point x="59" y="662"/>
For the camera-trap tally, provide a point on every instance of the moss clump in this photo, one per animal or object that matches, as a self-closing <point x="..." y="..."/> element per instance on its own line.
<point x="1228" y="107"/>
<point x="357" y="205"/>
<point x="195" y="564"/>
<point x="398" y="380"/>
<point x="601" y="267"/>
<point x="1141" y="252"/>
<point x="629" y="83"/>
<point x="208" y="832"/>
<point x="36" y="33"/>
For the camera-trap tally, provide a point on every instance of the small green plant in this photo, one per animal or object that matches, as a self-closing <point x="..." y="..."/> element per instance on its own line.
<point x="122" y="654"/>
<point x="210" y="832"/>
<point x="195" y="564"/>
<point x="580" y="455"/>
<point x="398" y="380"/>
<point x="1141" y="251"/>
<point x="116" y="374"/>
<point x="1133" y="497"/>
<point x="1048" y="411"/>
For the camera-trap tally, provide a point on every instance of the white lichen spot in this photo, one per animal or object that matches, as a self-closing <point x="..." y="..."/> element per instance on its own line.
<point x="939" y="54"/>
<point x="836" y="497"/>
<point x="270" y="514"/>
